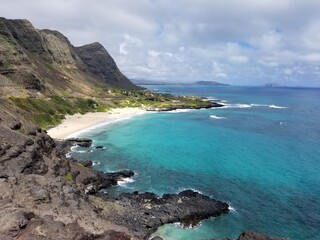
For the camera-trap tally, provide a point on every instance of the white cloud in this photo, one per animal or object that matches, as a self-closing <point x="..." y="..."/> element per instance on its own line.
<point x="311" y="57"/>
<point x="122" y="49"/>
<point x="218" y="70"/>
<point x="153" y="53"/>
<point x="288" y="71"/>
<point x="238" y="59"/>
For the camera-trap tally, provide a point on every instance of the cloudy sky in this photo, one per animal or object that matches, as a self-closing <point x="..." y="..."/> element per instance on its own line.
<point x="241" y="42"/>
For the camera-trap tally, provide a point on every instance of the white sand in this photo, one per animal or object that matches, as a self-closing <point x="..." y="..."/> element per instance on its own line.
<point x="77" y="122"/>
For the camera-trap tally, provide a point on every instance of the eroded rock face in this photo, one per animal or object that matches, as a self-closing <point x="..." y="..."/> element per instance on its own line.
<point x="252" y="236"/>
<point x="149" y="211"/>
<point x="257" y="236"/>
<point x="81" y="142"/>
<point x="47" y="228"/>
<point x="38" y="199"/>
<point x="102" y="180"/>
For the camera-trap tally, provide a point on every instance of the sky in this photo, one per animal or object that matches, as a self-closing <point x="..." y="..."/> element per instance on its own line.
<point x="240" y="42"/>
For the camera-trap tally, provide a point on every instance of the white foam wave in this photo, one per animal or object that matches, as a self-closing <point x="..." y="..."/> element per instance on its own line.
<point x="95" y="163"/>
<point x="259" y="105"/>
<point x="193" y="189"/>
<point x="216" y="117"/>
<point x="74" y="148"/>
<point x="231" y="209"/>
<point x="180" y="225"/>
<point x="236" y="105"/>
<point x="123" y="182"/>
<point x="84" y="151"/>
<point x="180" y="110"/>
<point x="275" y="106"/>
<point x="266" y="105"/>
<point x="212" y="99"/>
<point x="243" y="105"/>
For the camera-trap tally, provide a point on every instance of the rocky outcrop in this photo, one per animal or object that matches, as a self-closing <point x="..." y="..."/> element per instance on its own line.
<point x="257" y="236"/>
<point x="253" y="236"/>
<point x="102" y="180"/>
<point x="149" y="211"/>
<point x="204" y="105"/>
<point x="81" y="142"/>
<point x="41" y="192"/>
<point x="99" y="63"/>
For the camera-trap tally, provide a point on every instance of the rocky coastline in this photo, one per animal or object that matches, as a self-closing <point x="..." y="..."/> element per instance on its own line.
<point x="42" y="189"/>
<point x="148" y="211"/>
<point x="43" y="193"/>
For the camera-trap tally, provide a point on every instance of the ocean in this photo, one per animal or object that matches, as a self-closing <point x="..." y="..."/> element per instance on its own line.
<point x="260" y="153"/>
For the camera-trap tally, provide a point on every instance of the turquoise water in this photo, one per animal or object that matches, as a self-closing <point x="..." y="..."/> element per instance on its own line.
<point x="261" y="154"/>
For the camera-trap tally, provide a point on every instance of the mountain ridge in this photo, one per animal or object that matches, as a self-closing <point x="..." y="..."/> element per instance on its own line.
<point x="45" y="61"/>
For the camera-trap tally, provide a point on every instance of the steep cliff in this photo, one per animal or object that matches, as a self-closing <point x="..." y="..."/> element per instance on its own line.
<point x="99" y="63"/>
<point x="41" y="62"/>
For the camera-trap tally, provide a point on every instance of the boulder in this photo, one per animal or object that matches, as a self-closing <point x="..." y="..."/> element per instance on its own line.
<point x="81" y="142"/>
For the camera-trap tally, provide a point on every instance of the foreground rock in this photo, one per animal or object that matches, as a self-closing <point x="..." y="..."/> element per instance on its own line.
<point x="253" y="236"/>
<point x="100" y="180"/>
<point x="149" y="211"/>
<point x="257" y="236"/>
<point x="81" y="142"/>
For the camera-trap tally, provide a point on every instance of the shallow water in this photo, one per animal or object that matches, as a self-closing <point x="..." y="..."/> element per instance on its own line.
<point x="260" y="154"/>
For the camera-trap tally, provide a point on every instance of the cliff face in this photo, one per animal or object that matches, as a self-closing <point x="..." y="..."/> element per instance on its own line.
<point x="43" y="61"/>
<point x="99" y="63"/>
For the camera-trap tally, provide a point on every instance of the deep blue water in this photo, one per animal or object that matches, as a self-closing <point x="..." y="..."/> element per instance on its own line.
<point x="261" y="154"/>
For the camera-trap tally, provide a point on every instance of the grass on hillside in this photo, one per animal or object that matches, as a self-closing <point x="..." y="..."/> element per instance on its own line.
<point x="50" y="111"/>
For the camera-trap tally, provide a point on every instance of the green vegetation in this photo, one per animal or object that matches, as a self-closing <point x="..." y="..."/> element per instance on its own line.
<point x="51" y="111"/>
<point x="80" y="165"/>
<point x="69" y="176"/>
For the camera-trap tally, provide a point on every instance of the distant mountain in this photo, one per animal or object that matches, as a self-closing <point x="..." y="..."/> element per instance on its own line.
<point x="151" y="82"/>
<point x="273" y="85"/>
<point x="210" y="83"/>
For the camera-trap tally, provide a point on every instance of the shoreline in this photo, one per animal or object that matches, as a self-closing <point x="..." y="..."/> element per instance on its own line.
<point x="77" y="123"/>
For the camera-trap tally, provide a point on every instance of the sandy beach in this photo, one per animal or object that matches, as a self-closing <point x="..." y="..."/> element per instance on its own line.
<point x="77" y="122"/>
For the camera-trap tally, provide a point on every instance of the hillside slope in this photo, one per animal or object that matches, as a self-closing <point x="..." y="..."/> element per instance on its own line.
<point x="35" y="62"/>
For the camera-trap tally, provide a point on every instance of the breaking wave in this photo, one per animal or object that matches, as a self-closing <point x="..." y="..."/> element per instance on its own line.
<point x="216" y="117"/>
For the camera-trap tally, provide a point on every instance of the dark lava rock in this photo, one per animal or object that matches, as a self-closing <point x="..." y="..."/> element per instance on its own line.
<point x="100" y="147"/>
<point x="252" y="236"/>
<point x="149" y="211"/>
<point x="104" y="180"/>
<point x="86" y="163"/>
<point x="157" y="238"/>
<point x="47" y="228"/>
<point x="81" y="142"/>
<point x="257" y="236"/>
<point x="15" y="125"/>
<point x="113" y="235"/>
